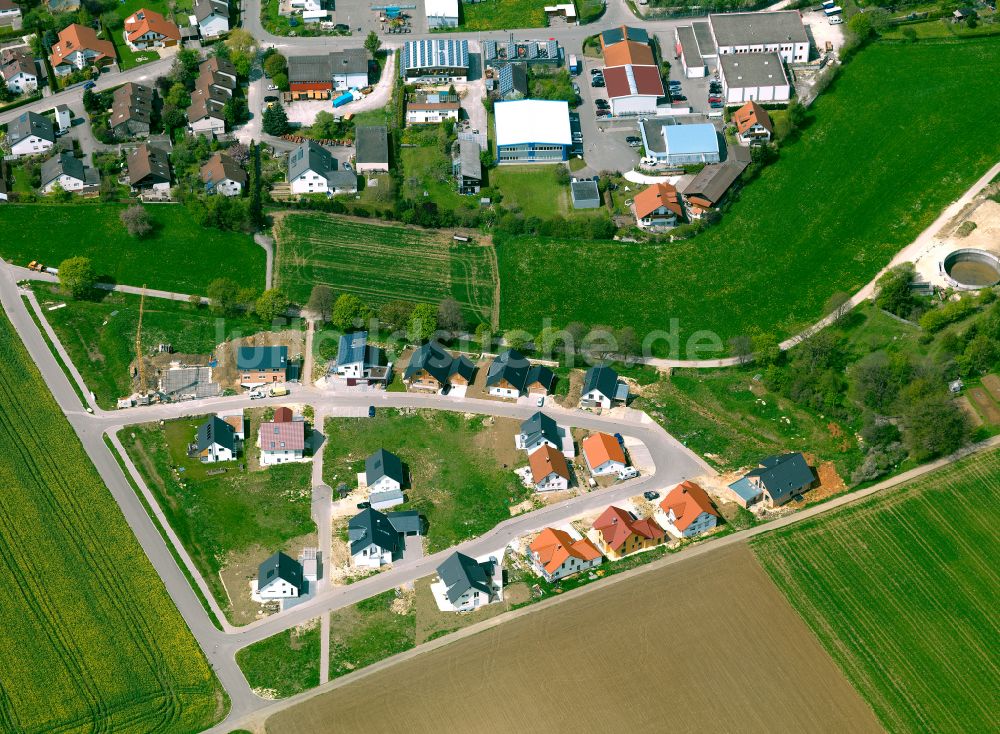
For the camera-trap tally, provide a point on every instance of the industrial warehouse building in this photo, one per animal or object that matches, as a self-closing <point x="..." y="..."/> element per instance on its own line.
<point x="680" y="145"/>
<point x="781" y="32"/>
<point x="438" y="60"/>
<point x="532" y="131"/>
<point x="753" y="77"/>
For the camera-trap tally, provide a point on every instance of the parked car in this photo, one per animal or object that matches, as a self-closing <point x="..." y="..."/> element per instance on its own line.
<point x="272" y="87"/>
<point x="540" y="402"/>
<point x="715" y="99"/>
<point x="633" y="140"/>
<point x="716" y="105"/>
<point x="604" y="113"/>
<point x="620" y="439"/>
<point x="364" y="505"/>
<point x="597" y="82"/>
<point x="596" y="71"/>
<point x="674" y="83"/>
<point x="836" y="20"/>
<point x="270" y="98"/>
<point x="602" y="103"/>
<point x="371" y="411"/>
<point x="651" y="495"/>
<point x="90" y="85"/>
<point x="576" y="87"/>
<point x="678" y="98"/>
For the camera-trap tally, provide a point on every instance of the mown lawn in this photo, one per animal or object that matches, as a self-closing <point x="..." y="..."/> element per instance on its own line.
<point x="494" y="15"/>
<point x="901" y="589"/>
<point x="283" y="664"/>
<point x="178" y="256"/>
<point x="221" y="515"/>
<point x="100" y="335"/>
<point x="857" y="186"/>
<point x="381" y="263"/>
<point x="92" y="641"/>
<point x="457" y="483"/>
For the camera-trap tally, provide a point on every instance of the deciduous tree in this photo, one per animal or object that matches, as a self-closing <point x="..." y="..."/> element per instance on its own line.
<point x="136" y="221"/>
<point x="321" y="301"/>
<point x="271" y="304"/>
<point x="77" y="277"/>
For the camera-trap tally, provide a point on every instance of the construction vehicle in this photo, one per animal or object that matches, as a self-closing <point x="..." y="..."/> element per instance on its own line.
<point x="36" y="266"/>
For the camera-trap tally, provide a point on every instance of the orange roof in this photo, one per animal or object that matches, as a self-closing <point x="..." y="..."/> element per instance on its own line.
<point x="688" y="500"/>
<point x="546" y="460"/>
<point x="628" y="52"/>
<point x="555" y="546"/>
<point x="750" y="114"/>
<point x="600" y="447"/>
<point x="76" y="37"/>
<point x="236" y="421"/>
<point x="615" y="526"/>
<point x="649" y="200"/>
<point x="143" y="21"/>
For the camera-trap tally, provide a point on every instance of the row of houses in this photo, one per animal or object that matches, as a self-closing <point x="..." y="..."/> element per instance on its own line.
<point x="213" y="89"/>
<point x="281" y="440"/>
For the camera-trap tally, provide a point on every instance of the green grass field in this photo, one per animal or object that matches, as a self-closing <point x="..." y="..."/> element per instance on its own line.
<point x="283" y="664"/>
<point x="218" y="516"/>
<point x="535" y="192"/>
<point x="458" y="486"/>
<point x="102" y="345"/>
<point x="92" y="641"/>
<point x="382" y="263"/>
<point x="179" y="256"/>
<point x="856" y="187"/>
<point x="494" y="15"/>
<point x="901" y="589"/>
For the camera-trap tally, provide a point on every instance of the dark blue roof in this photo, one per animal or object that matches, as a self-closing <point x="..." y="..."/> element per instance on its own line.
<point x="216" y="430"/>
<point x="460" y="573"/>
<point x="280" y="566"/>
<point x="783" y="475"/>
<point x="353" y="348"/>
<point x="603" y="379"/>
<point x="383" y="464"/>
<point x="261" y="358"/>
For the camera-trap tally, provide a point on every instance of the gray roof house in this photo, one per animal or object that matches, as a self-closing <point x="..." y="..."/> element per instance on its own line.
<point x="371" y="148"/>
<point x="383" y="465"/>
<point x="601" y="388"/>
<point x="313" y="169"/>
<point x="776" y="480"/>
<point x="461" y="574"/>
<point x="511" y="368"/>
<point x="467" y="166"/>
<point x="215" y="431"/>
<point x="68" y="171"/>
<point x="280" y="576"/>
<point x="539" y="428"/>
<point x="585" y="194"/>
<point x="30" y="133"/>
<point x="378" y="538"/>
<point x="434" y="361"/>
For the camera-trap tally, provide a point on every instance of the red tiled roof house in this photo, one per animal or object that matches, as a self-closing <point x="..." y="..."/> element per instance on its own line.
<point x="687" y="511"/>
<point x="619" y="533"/>
<point x="555" y="554"/>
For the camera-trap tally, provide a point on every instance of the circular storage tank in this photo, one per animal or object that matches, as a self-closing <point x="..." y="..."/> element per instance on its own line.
<point x="972" y="269"/>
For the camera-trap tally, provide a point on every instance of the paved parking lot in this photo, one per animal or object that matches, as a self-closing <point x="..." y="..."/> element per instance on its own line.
<point x="604" y="143"/>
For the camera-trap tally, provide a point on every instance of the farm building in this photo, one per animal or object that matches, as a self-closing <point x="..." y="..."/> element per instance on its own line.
<point x="678" y="145"/>
<point x="776" y="481"/>
<point x="753" y="124"/>
<point x="383" y="472"/>
<point x="437" y="60"/>
<point x="603" y="454"/>
<point x="69" y="172"/>
<point x="555" y="554"/>
<point x="261" y="365"/>
<point x="431" y="367"/>
<point x="658" y="205"/>
<point x="371" y="146"/>
<point x="780" y="32"/>
<point x="602" y="388"/>
<point x="441" y="13"/>
<point x="313" y="169"/>
<point x="280" y="577"/>
<point x="708" y="188"/>
<point x="30" y="134"/>
<point x="464" y="583"/>
<point x="512" y="375"/>
<point x="754" y="77"/>
<point x="687" y="511"/>
<point x="585" y="194"/>
<point x="532" y="131"/>
<point x="222" y="175"/>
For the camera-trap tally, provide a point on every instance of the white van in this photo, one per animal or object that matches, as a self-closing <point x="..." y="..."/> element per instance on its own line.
<point x="648" y="162"/>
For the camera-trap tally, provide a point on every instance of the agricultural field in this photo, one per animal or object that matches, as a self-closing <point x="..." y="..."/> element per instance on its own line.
<point x="901" y="589"/>
<point x="454" y="464"/>
<point x="494" y="15"/>
<point x="706" y="668"/>
<point x="227" y="522"/>
<point x="787" y="244"/>
<point x="380" y="263"/>
<point x="92" y="641"/>
<point x="178" y="256"/>
<point x="99" y="335"/>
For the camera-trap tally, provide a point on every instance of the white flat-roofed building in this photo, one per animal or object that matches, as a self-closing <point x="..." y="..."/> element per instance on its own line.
<point x="441" y="13"/>
<point x="753" y="78"/>
<point x="781" y="32"/>
<point x="532" y="131"/>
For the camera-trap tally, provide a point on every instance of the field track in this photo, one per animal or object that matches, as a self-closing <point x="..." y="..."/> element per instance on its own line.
<point x="709" y="645"/>
<point x="380" y="262"/>
<point x="91" y="641"/>
<point x="902" y="590"/>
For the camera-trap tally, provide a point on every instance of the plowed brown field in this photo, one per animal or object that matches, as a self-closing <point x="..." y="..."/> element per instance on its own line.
<point x="708" y="645"/>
